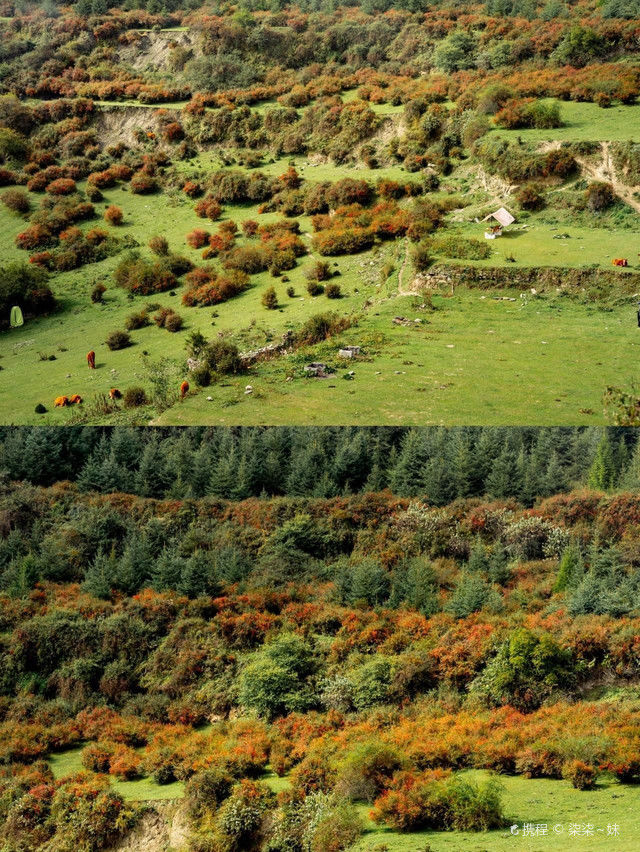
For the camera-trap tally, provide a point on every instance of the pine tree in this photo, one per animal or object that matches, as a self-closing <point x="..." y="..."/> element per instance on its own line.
<point x="570" y="569"/>
<point x="422" y="587"/>
<point x="406" y="477"/>
<point x="505" y="479"/>
<point x="134" y="568"/>
<point x="21" y="576"/>
<point x="603" y="472"/>
<point x="152" y="478"/>
<point x="499" y="565"/>
<point x="198" y="576"/>
<point x="462" y="461"/>
<point x="167" y="571"/>
<point x="100" y="575"/>
<point x="478" y="562"/>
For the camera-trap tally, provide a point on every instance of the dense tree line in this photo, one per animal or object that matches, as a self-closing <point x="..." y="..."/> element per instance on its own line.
<point x="438" y="464"/>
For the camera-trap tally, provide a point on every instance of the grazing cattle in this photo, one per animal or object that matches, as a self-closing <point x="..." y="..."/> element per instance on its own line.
<point x="91" y="360"/>
<point x="61" y="402"/>
<point x="76" y="399"/>
<point x="114" y="393"/>
<point x="184" y="389"/>
<point x="620" y="261"/>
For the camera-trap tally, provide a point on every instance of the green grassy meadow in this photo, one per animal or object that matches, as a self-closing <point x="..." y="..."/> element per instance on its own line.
<point x="66" y="763"/>
<point x="526" y="801"/>
<point x="477" y="357"/>
<point x="586" y="122"/>
<point x="534" y="802"/>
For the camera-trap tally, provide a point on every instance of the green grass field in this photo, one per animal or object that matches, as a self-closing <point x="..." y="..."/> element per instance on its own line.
<point x="474" y="359"/>
<point x="66" y="763"/>
<point x="534" y="802"/>
<point x="554" y="804"/>
<point x="587" y="122"/>
<point x="536" y="243"/>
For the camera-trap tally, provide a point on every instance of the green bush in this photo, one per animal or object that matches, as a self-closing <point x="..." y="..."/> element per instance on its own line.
<point x="526" y="670"/>
<point x="367" y="770"/>
<point x="222" y="357"/>
<point x="440" y="802"/>
<point x="134" y="397"/>
<point x="139" y="319"/>
<point x="274" y="682"/>
<point x="270" y="299"/>
<point x="462" y="248"/>
<point x="118" y="340"/>
<point x="202" y="375"/>
<point x="320" y="327"/>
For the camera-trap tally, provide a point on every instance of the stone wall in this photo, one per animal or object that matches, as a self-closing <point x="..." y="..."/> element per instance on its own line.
<point x="445" y="276"/>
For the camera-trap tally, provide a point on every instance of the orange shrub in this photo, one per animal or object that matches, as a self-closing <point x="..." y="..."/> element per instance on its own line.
<point x="113" y="215"/>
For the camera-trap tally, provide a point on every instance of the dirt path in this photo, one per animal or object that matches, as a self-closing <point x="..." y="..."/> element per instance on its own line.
<point x="603" y="171"/>
<point x="606" y="172"/>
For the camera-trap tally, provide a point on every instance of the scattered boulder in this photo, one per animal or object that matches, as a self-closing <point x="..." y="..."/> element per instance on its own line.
<point x="349" y="351"/>
<point x="316" y="369"/>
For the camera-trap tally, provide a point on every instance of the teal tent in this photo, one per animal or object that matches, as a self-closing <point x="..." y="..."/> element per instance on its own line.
<point x="16" y="317"/>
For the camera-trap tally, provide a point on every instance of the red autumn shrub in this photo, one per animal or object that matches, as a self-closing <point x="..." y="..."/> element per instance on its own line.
<point x="35" y="236"/>
<point x="113" y="215"/>
<point x="121" y="171"/>
<point x="96" y="236"/>
<point x="38" y="182"/>
<point x="143" y="184"/>
<point x="192" y="189"/>
<point x="208" y="208"/>
<point x="7" y="177"/>
<point x="197" y="238"/>
<point x="43" y="259"/>
<point x="61" y="186"/>
<point x="102" y="180"/>
<point x="124" y="763"/>
<point x="210" y="288"/>
<point x="97" y="756"/>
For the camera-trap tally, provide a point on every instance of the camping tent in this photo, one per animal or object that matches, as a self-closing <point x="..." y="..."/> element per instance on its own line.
<point x="503" y="218"/>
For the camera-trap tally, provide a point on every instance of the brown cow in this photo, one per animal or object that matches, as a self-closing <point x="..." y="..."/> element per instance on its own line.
<point x="114" y="393"/>
<point x="61" y="402"/>
<point x="184" y="389"/>
<point x="91" y="360"/>
<point x="76" y="399"/>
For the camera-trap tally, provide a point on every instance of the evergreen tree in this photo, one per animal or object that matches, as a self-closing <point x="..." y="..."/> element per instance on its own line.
<point x="198" y="576"/>
<point x="462" y="465"/>
<point x="478" y="562"/>
<point x="167" y="571"/>
<point x="135" y="565"/>
<point x="602" y="474"/>
<point x="406" y="475"/>
<point x="152" y="478"/>
<point x="100" y="575"/>
<point x="369" y="583"/>
<point x="21" y="577"/>
<point x="471" y="594"/>
<point x="505" y="477"/>
<point x="499" y="571"/>
<point x="570" y="569"/>
<point x="422" y="587"/>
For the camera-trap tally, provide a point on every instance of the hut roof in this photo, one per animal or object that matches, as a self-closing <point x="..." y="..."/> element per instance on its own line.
<point x="502" y="215"/>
